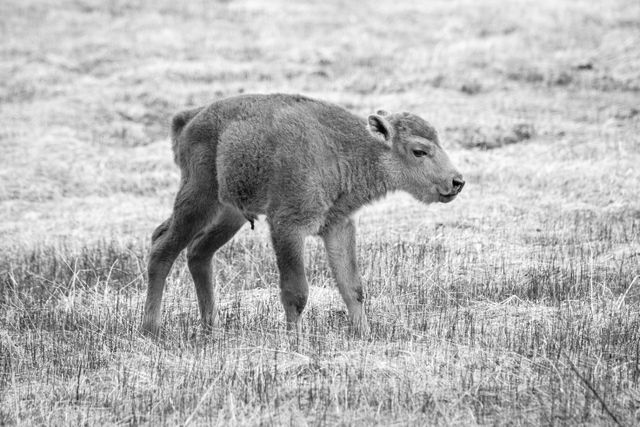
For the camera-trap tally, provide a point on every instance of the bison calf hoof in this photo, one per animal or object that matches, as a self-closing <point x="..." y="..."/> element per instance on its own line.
<point x="360" y="327"/>
<point x="295" y="327"/>
<point x="211" y="322"/>
<point x="151" y="330"/>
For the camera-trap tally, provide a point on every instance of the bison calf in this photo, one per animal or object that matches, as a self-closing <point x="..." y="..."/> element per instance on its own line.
<point x="307" y="165"/>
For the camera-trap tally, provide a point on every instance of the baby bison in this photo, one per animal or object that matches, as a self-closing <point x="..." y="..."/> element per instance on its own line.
<point x="307" y="165"/>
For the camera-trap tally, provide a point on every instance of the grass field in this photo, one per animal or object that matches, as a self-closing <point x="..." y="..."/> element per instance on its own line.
<point x="517" y="304"/>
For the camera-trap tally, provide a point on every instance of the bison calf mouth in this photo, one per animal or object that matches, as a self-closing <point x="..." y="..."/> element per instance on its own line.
<point x="458" y="183"/>
<point x="446" y="198"/>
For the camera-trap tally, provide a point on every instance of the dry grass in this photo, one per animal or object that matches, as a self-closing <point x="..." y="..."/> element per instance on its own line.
<point x="516" y="304"/>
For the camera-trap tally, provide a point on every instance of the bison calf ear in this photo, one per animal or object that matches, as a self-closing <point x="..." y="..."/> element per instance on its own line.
<point x="380" y="128"/>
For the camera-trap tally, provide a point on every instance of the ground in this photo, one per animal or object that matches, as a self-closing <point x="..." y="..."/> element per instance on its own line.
<point x="517" y="304"/>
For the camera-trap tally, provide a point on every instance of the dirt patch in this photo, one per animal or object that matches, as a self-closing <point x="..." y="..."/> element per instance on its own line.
<point x="475" y="137"/>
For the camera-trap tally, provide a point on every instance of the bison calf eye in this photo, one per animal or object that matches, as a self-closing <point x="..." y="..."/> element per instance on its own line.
<point x="419" y="153"/>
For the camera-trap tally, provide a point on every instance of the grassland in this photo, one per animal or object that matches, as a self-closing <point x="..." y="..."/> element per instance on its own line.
<point x="517" y="304"/>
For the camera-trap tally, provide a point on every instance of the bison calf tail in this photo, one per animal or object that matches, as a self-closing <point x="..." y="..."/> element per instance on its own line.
<point x="178" y="123"/>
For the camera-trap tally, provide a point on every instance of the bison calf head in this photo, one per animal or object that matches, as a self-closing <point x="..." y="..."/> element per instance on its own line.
<point x="420" y="166"/>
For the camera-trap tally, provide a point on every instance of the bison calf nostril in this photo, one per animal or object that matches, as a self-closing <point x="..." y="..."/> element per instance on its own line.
<point x="458" y="183"/>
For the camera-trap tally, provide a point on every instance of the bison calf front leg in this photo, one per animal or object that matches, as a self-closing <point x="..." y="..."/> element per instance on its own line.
<point x="294" y="291"/>
<point x="340" y="242"/>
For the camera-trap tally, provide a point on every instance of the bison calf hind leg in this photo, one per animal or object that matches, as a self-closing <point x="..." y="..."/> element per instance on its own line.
<point x="160" y="230"/>
<point x="199" y="254"/>
<point x="191" y="212"/>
